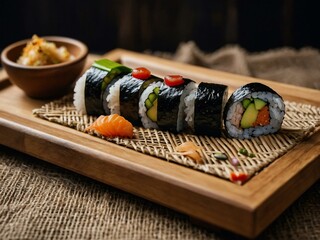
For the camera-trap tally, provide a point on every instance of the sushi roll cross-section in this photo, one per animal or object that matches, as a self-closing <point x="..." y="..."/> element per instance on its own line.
<point x="89" y="89"/>
<point x="253" y="110"/>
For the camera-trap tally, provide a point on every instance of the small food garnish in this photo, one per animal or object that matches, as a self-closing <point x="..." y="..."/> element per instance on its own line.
<point x="173" y="80"/>
<point x="234" y="161"/>
<point x="141" y="73"/>
<point x="191" y="150"/>
<point x="245" y="152"/>
<point x="39" y="52"/>
<point x="220" y="156"/>
<point x="112" y="126"/>
<point x="238" y="177"/>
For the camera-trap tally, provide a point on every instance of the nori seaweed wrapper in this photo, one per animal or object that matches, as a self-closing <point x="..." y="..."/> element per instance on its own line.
<point x="130" y="91"/>
<point x="168" y="106"/>
<point x="99" y="77"/>
<point x="208" y="109"/>
<point x="93" y="91"/>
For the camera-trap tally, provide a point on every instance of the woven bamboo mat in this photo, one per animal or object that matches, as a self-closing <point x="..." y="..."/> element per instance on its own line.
<point x="300" y="121"/>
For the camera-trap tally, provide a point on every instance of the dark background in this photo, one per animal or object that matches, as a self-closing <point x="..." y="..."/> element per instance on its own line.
<point x="156" y="25"/>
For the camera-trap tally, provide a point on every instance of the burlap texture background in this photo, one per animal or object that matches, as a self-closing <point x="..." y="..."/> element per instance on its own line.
<point x="42" y="201"/>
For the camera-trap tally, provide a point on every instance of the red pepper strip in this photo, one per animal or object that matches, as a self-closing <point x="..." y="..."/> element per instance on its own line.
<point x="238" y="177"/>
<point x="263" y="117"/>
<point x="141" y="73"/>
<point x="173" y="80"/>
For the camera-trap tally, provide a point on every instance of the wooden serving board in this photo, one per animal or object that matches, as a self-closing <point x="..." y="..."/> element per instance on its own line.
<point x="246" y="210"/>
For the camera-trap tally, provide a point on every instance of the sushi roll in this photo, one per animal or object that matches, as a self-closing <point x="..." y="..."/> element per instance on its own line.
<point x="253" y="110"/>
<point x="204" y="108"/>
<point x="89" y="89"/>
<point x="171" y="116"/>
<point x="130" y="92"/>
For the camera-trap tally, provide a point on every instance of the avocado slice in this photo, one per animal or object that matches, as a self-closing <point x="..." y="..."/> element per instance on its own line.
<point x="259" y="104"/>
<point x="152" y="112"/>
<point x="246" y="102"/>
<point x="249" y="116"/>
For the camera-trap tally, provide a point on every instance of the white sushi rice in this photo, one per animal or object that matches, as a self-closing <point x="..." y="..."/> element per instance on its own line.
<point x="276" y="111"/>
<point x="79" y="94"/>
<point x="189" y="100"/>
<point x="113" y="98"/>
<point x="146" y="121"/>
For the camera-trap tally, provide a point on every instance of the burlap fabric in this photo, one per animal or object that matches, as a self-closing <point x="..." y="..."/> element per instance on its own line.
<point x="42" y="201"/>
<point x="299" y="67"/>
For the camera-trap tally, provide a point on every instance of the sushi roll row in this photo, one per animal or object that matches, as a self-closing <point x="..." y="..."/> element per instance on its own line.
<point x="172" y="103"/>
<point x="178" y="104"/>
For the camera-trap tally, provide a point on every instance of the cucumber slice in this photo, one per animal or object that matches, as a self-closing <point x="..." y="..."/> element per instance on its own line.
<point x="246" y="102"/>
<point x="148" y="103"/>
<point x="259" y="104"/>
<point x="113" y="69"/>
<point x="108" y="65"/>
<point x="156" y="90"/>
<point x="152" y="97"/>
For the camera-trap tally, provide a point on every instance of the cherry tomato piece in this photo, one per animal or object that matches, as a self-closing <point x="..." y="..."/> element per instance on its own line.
<point x="240" y="177"/>
<point x="173" y="80"/>
<point x="141" y="73"/>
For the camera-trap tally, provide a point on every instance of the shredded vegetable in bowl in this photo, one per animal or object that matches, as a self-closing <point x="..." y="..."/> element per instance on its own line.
<point x="39" y="52"/>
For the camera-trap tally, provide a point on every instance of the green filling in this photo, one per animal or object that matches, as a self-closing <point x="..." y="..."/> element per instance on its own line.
<point x="246" y="102"/>
<point x="148" y="103"/>
<point x="156" y="90"/>
<point x="153" y="97"/>
<point x="152" y="112"/>
<point x="113" y="69"/>
<point x="151" y="104"/>
<point x="252" y="107"/>
<point x="259" y="104"/>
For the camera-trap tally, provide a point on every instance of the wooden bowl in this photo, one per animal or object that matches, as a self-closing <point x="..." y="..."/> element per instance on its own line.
<point x="45" y="81"/>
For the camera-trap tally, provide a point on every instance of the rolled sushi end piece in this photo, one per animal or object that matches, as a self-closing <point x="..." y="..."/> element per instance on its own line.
<point x="253" y="110"/>
<point x="90" y="86"/>
<point x="148" y="105"/>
